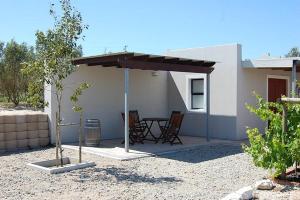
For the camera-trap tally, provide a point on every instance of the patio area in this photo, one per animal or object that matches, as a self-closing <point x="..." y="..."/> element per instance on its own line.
<point x="115" y="150"/>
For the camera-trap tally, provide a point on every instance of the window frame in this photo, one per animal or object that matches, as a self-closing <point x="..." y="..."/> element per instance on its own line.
<point x="189" y="92"/>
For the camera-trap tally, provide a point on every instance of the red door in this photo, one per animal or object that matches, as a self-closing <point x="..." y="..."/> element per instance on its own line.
<point x="276" y="88"/>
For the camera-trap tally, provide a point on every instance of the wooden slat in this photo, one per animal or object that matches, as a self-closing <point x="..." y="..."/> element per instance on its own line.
<point x="163" y="66"/>
<point x="104" y="64"/>
<point x="101" y="58"/>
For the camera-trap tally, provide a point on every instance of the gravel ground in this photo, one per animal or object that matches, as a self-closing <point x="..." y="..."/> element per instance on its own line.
<point x="210" y="172"/>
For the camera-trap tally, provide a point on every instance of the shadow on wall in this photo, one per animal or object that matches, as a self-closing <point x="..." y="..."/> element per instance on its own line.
<point x="205" y="153"/>
<point x="194" y="123"/>
<point x="121" y="175"/>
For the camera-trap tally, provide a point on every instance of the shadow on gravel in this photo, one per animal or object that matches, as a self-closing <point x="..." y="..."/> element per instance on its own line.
<point x="27" y="150"/>
<point x="205" y="153"/>
<point x="121" y="175"/>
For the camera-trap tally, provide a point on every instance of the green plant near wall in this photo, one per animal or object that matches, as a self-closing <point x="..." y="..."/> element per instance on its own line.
<point x="79" y="109"/>
<point x="276" y="149"/>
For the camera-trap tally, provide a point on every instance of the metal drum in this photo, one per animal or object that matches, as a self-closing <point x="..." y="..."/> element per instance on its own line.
<point x="92" y="131"/>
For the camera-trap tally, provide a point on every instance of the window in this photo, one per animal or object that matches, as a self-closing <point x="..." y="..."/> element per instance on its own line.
<point x="196" y="92"/>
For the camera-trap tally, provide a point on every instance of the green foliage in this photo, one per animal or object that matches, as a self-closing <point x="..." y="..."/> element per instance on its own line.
<point x="54" y="50"/>
<point x="276" y="150"/>
<point x="13" y="84"/>
<point x="294" y="52"/>
<point x="75" y="97"/>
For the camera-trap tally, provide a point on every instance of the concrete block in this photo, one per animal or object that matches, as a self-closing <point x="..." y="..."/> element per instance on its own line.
<point x="44" y="142"/>
<point x="9" y="127"/>
<point x="20" y="119"/>
<point x="34" y="143"/>
<point x="43" y="133"/>
<point x="42" y="118"/>
<point x="2" y="145"/>
<point x="21" y="135"/>
<point x="10" y="136"/>
<point x="2" y="137"/>
<point x="9" y="119"/>
<point x="21" y="127"/>
<point x="31" y="118"/>
<point x="32" y="134"/>
<point x="1" y="128"/>
<point x="43" y="126"/>
<point x="11" y="145"/>
<point x="32" y="126"/>
<point x="22" y="144"/>
<point x="1" y="119"/>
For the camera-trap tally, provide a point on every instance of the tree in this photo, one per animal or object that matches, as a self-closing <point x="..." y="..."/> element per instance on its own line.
<point x="54" y="50"/>
<point x="294" y="52"/>
<point x="13" y="83"/>
<point x="77" y="108"/>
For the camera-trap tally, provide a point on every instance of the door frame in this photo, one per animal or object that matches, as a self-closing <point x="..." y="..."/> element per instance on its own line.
<point x="278" y="77"/>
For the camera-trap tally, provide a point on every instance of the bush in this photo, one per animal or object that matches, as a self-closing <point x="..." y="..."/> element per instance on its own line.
<point x="275" y="150"/>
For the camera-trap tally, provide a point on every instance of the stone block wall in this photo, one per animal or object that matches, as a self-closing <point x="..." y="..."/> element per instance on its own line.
<point x="23" y="131"/>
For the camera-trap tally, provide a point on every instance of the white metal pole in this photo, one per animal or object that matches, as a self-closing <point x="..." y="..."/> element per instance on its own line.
<point x="207" y="105"/>
<point x="126" y="110"/>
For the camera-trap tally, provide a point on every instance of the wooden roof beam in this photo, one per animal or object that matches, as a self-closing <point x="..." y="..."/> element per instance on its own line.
<point x="144" y="65"/>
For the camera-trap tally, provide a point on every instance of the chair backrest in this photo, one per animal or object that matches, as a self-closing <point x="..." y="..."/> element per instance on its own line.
<point x="135" y="115"/>
<point x="175" y="124"/>
<point x="131" y="119"/>
<point x="173" y="114"/>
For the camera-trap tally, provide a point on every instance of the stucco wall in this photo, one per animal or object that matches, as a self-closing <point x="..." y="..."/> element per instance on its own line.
<point x="105" y="99"/>
<point x="250" y="80"/>
<point x="223" y="92"/>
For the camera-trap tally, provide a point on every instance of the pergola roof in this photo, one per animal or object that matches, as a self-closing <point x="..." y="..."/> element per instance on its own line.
<point x="142" y="61"/>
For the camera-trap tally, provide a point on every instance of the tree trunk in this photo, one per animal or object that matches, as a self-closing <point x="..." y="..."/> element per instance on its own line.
<point x="59" y="133"/>
<point x="56" y="138"/>
<point x="80" y="137"/>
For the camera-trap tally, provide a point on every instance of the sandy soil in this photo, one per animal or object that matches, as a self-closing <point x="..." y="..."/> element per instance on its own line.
<point x="210" y="172"/>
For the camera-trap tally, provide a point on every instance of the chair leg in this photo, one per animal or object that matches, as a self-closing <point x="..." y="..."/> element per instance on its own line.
<point x="173" y="141"/>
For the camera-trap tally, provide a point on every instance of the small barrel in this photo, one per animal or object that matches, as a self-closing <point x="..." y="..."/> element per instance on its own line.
<point x="92" y="131"/>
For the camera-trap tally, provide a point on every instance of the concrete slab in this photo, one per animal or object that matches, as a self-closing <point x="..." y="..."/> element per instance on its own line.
<point x="70" y="164"/>
<point x="115" y="150"/>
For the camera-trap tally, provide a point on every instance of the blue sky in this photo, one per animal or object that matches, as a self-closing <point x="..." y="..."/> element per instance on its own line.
<point x="153" y="26"/>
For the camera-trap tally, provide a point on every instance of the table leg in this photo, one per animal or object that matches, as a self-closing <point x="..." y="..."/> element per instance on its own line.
<point x="149" y="132"/>
<point x="161" y="136"/>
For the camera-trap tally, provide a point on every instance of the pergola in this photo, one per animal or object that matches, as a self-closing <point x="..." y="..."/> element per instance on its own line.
<point x="132" y="60"/>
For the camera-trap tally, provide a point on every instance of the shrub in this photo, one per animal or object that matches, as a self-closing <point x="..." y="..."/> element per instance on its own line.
<point x="274" y="150"/>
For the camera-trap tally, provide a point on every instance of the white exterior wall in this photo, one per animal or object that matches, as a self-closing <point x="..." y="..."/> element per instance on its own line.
<point x="250" y="80"/>
<point x="105" y="99"/>
<point x="223" y="92"/>
<point x="231" y="86"/>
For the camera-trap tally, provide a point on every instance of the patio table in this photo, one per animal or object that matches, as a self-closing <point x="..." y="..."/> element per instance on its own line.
<point x="149" y="123"/>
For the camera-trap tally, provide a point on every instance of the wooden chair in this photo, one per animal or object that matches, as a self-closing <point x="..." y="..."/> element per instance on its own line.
<point x="164" y="127"/>
<point x="136" y="117"/>
<point x="172" y="132"/>
<point x="136" y="133"/>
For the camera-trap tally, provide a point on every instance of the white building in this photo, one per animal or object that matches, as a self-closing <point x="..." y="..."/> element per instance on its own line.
<point x="157" y="93"/>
